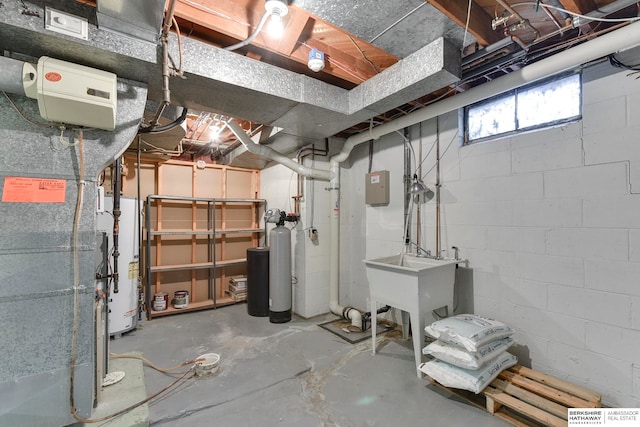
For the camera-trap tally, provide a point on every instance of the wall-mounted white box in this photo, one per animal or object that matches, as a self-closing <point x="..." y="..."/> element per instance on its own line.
<point x="377" y="188"/>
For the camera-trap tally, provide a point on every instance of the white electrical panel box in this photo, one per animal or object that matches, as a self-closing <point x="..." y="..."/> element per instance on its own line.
<point x="377" y="188"/>
<point x="74" y="94"/>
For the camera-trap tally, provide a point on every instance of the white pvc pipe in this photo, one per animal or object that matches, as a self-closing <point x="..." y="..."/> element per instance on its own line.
<point x="604" y="45"/>
<point x="272" y="154"/>
<point x="334" y="251"/>
<point x="612" y="42"/>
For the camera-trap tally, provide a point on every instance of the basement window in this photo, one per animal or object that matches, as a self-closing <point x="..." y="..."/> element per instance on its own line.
<point x="540" y="105"/>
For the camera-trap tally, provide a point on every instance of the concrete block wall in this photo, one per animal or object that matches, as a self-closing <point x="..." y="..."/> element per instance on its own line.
<point x="550" y="223"/>
<point x="568" y="225"/>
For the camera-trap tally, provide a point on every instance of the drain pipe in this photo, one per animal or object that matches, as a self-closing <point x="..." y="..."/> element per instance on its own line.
<point x="589" y="51"/>
<point x="334" y="244"/>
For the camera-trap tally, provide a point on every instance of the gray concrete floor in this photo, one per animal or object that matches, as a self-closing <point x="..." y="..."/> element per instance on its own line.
<point x="292" y="374"/>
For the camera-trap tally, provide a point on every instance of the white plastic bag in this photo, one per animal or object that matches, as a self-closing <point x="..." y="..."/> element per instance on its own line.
<point x="468" y="330"/>
<point x="463" y="358"/>
<point x="472" y="380"/>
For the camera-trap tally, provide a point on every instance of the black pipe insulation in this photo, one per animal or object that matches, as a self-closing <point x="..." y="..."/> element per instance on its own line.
<point x="165" y="128"/>
<point x="366" y="317"/>
<point x="117" y="176"/>
<point x="381" y="310"/>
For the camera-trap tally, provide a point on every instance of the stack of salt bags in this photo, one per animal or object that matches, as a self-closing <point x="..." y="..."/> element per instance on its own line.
<point x="470" y="351"/>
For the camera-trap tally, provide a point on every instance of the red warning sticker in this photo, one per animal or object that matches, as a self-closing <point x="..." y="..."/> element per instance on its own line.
<point x="53" y="77"/>
<point x="34" y="190"/>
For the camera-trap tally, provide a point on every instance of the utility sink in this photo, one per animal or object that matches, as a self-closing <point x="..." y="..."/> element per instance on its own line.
<point x="413" y="284"/>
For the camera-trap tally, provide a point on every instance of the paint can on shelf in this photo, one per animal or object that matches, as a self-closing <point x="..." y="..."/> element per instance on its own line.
<point x="181" y="299"/>
<point x="160" y="301"/>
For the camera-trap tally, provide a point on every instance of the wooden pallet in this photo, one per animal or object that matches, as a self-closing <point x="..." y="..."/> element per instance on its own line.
<point x="527" y="398"/>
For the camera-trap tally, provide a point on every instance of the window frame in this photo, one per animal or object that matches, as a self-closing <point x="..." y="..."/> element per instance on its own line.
<point x="514" y="93"/>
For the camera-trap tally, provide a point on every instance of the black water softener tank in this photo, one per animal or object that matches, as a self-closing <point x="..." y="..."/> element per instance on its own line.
<point x="258" y="281"/>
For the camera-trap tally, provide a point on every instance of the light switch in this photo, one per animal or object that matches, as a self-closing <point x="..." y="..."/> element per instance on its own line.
<point x="64" y="23"/>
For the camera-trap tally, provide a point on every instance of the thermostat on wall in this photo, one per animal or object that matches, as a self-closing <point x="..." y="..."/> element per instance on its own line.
<point x="377" y="188"/>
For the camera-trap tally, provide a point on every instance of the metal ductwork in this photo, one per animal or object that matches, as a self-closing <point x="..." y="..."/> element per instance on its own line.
<point x="305" y="108"/>
<point x="141" y="19"/>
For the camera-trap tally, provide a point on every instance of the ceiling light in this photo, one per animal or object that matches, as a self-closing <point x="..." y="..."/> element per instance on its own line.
<point x="214" y="131"/>
<point x="277" y="9"/>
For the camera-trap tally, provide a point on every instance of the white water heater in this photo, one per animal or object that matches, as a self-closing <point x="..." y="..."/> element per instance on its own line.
<point x="122" y="306"/>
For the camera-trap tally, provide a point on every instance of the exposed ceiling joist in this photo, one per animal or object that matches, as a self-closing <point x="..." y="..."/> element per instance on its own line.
<point x="302" y="32"/>
<point x="580" y="6"/>
<point x="479" y="20"/>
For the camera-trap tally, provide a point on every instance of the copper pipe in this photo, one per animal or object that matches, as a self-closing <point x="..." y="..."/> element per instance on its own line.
<point x="166" y="93"/>
<point x="419" y="173"/>
<point x="304" y="153"/>
<point x="522" y="20"/>
<point x="437" y="188"/>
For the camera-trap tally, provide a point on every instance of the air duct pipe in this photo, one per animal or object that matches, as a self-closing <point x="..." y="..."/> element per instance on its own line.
<point x="617" y="40"/>
<point x="272" y="154"/>
<point x="11" y="76"/>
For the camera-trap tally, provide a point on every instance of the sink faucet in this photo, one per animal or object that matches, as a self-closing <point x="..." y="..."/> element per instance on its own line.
<point x="455" y="251"/>
<point x="422" y="252"/>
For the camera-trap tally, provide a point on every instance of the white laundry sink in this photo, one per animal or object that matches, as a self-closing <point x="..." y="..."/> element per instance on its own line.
<point x="413" y="284"/>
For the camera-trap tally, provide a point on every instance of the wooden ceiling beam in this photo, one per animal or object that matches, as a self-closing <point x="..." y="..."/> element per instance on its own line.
<point x="236" y="20"/>
<point x="479" y="20"/>
<point x="580" y="6"/>
<point x="338" y="60"/>
<point x="295" y="26"/>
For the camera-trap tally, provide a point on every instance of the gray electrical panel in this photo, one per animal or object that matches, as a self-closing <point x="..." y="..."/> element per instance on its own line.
<point x="377" y="188"/>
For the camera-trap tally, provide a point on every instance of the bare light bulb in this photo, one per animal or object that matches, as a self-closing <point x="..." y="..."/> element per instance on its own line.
<point x="214" y="132"/>
<point x="277" y="9"/>
<point x="276" y="27"/>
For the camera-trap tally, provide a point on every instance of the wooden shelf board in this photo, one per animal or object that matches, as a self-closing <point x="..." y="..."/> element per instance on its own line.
<point x="176" y="267"/>
<point x="197" y="266"/>
<point x="193" y="306"/>
<point x="240" y="230"/>
<point x="226" y="301"/>
<point x="181" y="232"/>
<point x="229" y="262"/>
